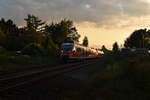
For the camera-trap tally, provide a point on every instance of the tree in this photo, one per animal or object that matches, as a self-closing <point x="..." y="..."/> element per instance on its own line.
<point x="31" y="36"/>
<point x="10" y="34"/>
<point x="61" y="31"/>
<point x="8" y="27"/>
<point x="85" y="41"/>
<point x="34" y="23"/>
<point x="2" y="38"/>
<point x="139" y="39"/>
<point x="105" y="50"/>
<point x="49" y="46"/>
<point x="115" y="48"/>
<point x="33" y="49"/>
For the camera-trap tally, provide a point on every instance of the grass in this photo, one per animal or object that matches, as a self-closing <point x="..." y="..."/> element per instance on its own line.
<point x="127" y="79"/>
<point x="124" y="77"/>
<point x="11" y="61"/>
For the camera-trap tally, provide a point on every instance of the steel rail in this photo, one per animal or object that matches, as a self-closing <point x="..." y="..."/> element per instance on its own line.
<point x="15" y="81"/>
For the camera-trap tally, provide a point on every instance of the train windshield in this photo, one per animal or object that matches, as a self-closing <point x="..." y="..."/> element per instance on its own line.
<point x="66" y="48"/>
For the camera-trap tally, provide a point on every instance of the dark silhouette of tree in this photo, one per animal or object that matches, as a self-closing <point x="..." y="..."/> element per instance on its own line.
<point x="61" y="31"/>
<point x="138" y="39"/>
<point x="11" y="34"/>
<point x="8" y="27"/>
<point x="49" y="46"/>
<point x="85" y="41"/>
<point x="2" y="38"/>
<point x="34" y="23"/>
<point x="115" y="48"/>
<point x="3" y="25"/>
<point x="105" y="50"/>
<point x="13" y="38"/>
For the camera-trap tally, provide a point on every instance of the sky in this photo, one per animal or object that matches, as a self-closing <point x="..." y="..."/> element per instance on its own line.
<point x="102" y="21"/>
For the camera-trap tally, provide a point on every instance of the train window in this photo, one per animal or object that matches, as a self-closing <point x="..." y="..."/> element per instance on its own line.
<point x="80" y="50"/>
<point x="66" y="48"/>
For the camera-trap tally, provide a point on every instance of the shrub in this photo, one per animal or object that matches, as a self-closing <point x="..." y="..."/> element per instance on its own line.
<point x="4" y="55"/>
<point x="3" y="51"/>
<point x="49" y="46"/>
<point x="33" y="49"/>
<point x="126" y="78"/>
<point x="2" y="37"/>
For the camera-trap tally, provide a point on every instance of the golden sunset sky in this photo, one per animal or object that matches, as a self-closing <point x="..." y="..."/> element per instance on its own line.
<point x="102" y="21"/>
<point x="99" y="36"/>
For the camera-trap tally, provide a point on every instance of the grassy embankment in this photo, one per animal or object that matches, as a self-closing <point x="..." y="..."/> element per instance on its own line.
<point x="10" y="60"/>
<point x="124" y="77"/>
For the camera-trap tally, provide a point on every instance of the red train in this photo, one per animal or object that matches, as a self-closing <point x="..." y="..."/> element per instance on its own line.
<point x="72" y="50"/>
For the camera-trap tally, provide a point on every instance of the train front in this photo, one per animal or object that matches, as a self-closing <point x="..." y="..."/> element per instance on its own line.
<point x="66" y="51"/>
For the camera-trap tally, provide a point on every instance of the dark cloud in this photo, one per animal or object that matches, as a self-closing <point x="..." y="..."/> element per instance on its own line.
<point x="102" y="12"/>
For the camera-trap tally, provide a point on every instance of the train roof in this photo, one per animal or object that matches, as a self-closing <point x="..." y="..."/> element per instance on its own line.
<point x="67" y="43"/>
<point x="77" y="44"/>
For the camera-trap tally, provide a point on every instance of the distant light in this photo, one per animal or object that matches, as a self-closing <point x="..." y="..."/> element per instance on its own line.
<point x="147" y="1"/>
<point x="87" y="6"/>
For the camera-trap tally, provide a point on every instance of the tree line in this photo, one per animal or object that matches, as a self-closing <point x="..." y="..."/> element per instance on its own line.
<point x="36" y="34"/>
<point x="138" y="39"/>
<point x="47" y="38"/>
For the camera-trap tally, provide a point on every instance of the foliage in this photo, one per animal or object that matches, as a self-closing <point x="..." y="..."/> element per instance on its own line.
<point x="59" y="32"/>
<point x="8" y="27"/>
<point x="30" y="36"/>
<point x="11" y="60"/>
<point x="2" y="38"/>
<point x="85" y="41"/>
<point x="49" y="46"/>
<point x="9" y="34"/>
<point x="139" y="39"/>
<point x="14" y="39"/>
<point x="123" y="79"/>
<point x="115" y="48"/>
<point x="33" y="49"/>
<point x="34" y="23"/>
<point x="105" y="50"/>
<point x="4" y="55"/>
<point x="33" y="40"/>
<point x="3" y="51"/>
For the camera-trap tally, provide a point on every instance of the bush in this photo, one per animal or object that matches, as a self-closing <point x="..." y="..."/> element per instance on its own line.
<point x="49" y="46"/>
<point x="3" y="51"/>
<point x="2" y="37"/>
<point x="33" y="49"/>
<point x="127" y="79"/>
<point x="4" y="55"/>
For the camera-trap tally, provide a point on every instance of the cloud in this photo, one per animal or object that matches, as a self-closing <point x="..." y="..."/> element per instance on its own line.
<point x="102" y="12"/>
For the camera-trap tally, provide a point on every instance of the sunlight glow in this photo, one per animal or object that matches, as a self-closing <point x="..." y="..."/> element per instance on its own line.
<point x="87" y="6"/>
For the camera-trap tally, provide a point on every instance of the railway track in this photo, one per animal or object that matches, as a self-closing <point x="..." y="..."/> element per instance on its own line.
<point x="20" y="79"/>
